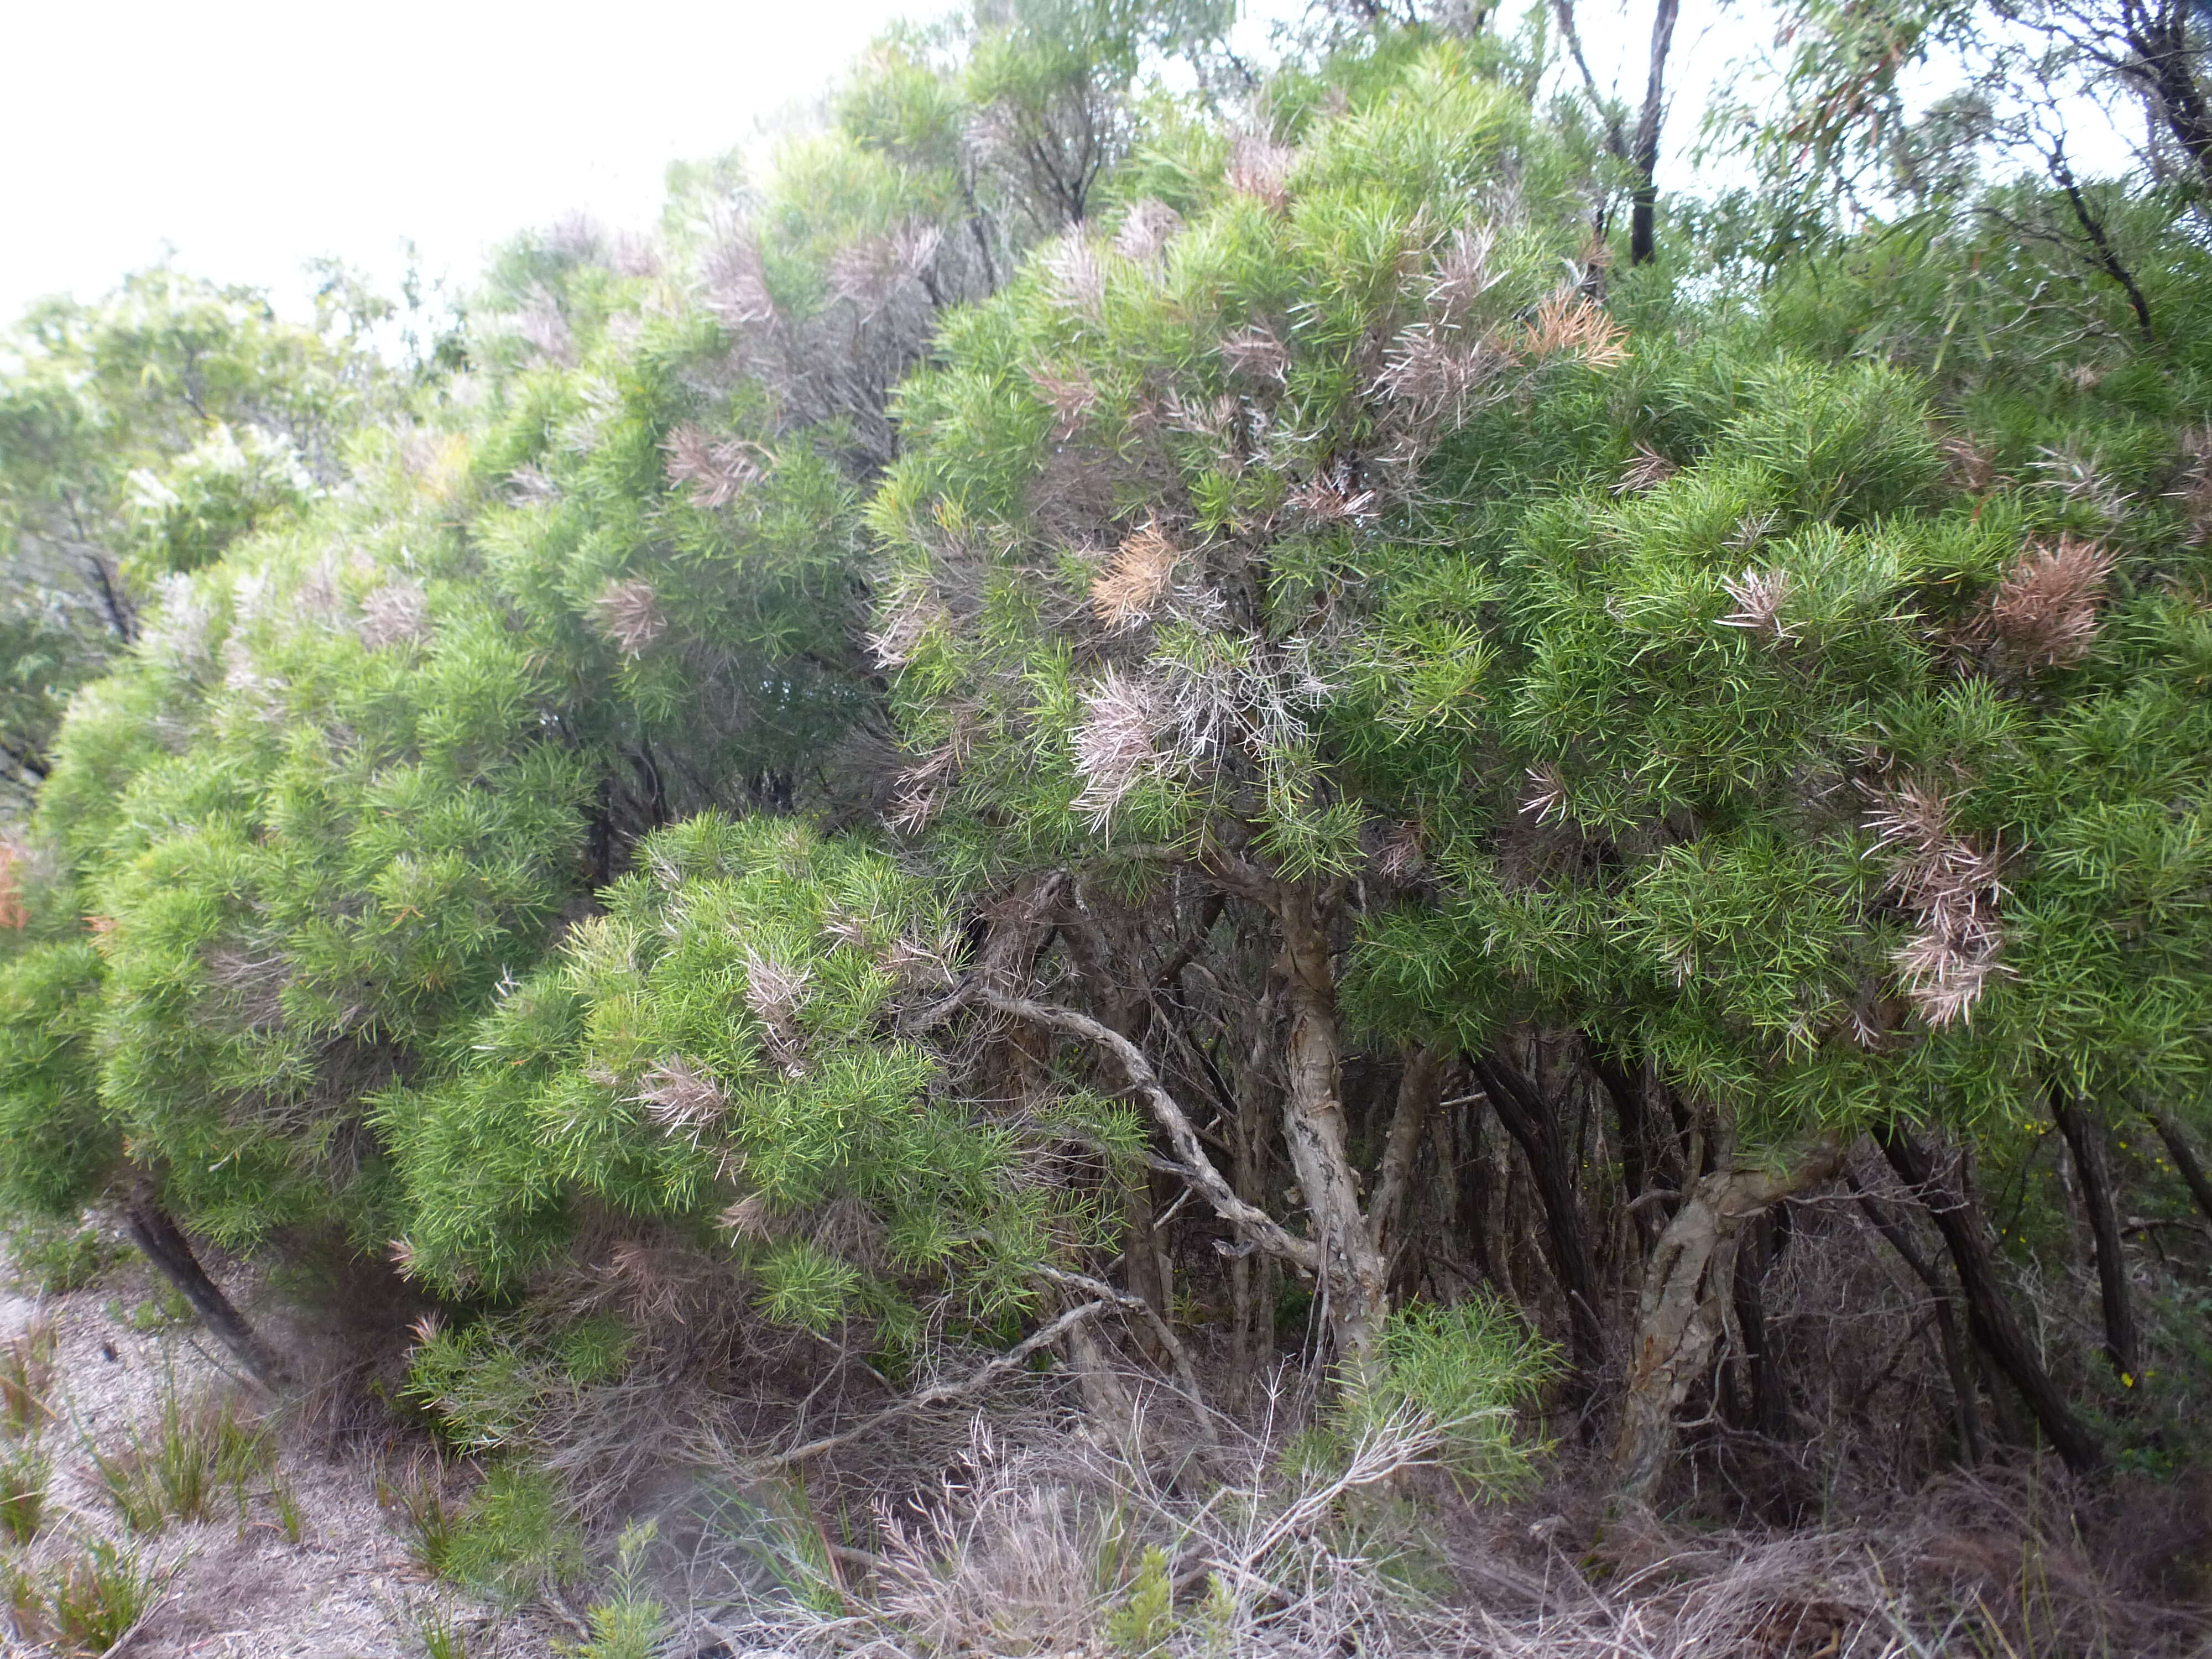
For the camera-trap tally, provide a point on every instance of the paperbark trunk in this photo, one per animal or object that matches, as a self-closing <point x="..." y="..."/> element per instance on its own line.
<point x="1683" y="1306"/>
<point x="1352" y="1281"/>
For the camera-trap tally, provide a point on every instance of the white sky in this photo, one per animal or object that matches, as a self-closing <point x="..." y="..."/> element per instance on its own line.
<point x="248" y="136"/>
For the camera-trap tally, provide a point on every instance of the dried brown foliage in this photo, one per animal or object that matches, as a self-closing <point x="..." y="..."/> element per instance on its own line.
<point x="544" y="329"/>
<point x="1078" y="279"/>
<point x="2195" y="488"/>
<point x="1135" y="579"/>
<point x="1261" y="169"/>
<point x="14" y="912"/>
<point x="1572" y="324"/>
<point x="1952" y="886"/>
<point x="629" y="614"/>
<point x="1648" y="470"/>
<point x="715" y="469"/>
<point x="1116" y="746"/>
<point x="736" y="283"/>
<point x="1331" y="498"/>
<point x="1146" y="229"/>
<point x="1760" y="596"/>
<point x="1971" y="467"/>
<point x="1436" y="373"/>
<point x="396" y="612"/>
<point x="683" y="1097"/>
<point x="2043" y="613"/>
<point x="1257" y="353"/>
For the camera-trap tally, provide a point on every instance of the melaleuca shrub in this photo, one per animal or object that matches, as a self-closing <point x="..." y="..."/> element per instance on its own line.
<point x="57" y="1147"/>
<point x="672" y="466"/>
<point x="317" y="814"/>
<point x="720" y="1054"/>
<point x="1131" y="545"/>
<point x="1778" y="770"/>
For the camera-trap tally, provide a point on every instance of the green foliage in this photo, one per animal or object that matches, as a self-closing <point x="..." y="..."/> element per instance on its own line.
<point x="1474" y="1369"/>
<point x="25" y="1470"/>
<point x="84" y="1601"/>
<point x="1125" y="552"/>
<point x="1144" y="1620"/>
<point x="45" y="1258"/>
<point x="141" y="434"/>
<point x="442" y="1638"/>
<point x="487" y="1384"/>
<point x="165" y="1309"/>
<point x="56" y="1147"/>
<point x="514" y="1538"/>
<point x="629" y="1623"/>
<point x="1784" y="674"/>
<point x="717" y="1050"/>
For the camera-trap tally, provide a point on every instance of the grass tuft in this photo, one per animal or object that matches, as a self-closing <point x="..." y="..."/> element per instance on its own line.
<point x="85" y="1603"/>
<point x="26" y="1366"/>
<point x="441" y="1636"/>
<point x="44" y="1260"/>
<point x="24" y="1471"/>
<point x="200" y="1456"/>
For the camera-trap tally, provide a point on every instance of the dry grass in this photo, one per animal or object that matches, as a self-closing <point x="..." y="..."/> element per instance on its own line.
<point x="1034" y="1538"/>
<point x="26" y="1369"/>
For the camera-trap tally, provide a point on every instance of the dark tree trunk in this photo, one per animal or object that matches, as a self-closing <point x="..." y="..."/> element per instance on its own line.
<point x="1651" y="1152"/>
<point x="2085" y="1140"/>
<point x="2184" y="1159"/>
<point x="1988" y="1314"/>
<point x="1527" y="1118"/>
<point x="1765" y="1406"/>
<point x="1474" y="1188"/>
<point x="1958" y="1362"/>
<point x="2164" y="68"/>
<point x="1643" y="154"/>
<point x="155" y="1234"/>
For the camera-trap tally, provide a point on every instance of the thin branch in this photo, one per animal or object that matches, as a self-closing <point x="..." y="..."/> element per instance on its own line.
<point x="938" y="1393"/>
<point x="2100" y="245"/>
<point x="1178" y="1355"/>
<point x="1197" y="1168"/>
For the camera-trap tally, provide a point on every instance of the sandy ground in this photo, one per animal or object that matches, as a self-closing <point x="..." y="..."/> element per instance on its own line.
<point x="347" y="1590"/>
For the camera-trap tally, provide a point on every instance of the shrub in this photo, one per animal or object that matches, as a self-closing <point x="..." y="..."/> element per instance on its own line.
<point x="514" y="1538"/>
<point x="27" y="1365"/>
<point x="631" y="1623"/>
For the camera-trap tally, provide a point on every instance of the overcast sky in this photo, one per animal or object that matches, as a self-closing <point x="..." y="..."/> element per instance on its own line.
<point x="248" y="136"/>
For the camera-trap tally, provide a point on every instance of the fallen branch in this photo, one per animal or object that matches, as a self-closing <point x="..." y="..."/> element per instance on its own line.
<point x="938" y="1393"/>
<point x="1179" y="1355"/>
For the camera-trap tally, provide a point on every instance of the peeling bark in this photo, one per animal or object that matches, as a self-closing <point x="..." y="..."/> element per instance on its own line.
<point x="1354" y="1271"/>
<point x="1685" y="1303"/>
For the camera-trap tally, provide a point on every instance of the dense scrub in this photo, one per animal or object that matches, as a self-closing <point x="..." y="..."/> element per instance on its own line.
<point x="1212" y="744"/>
